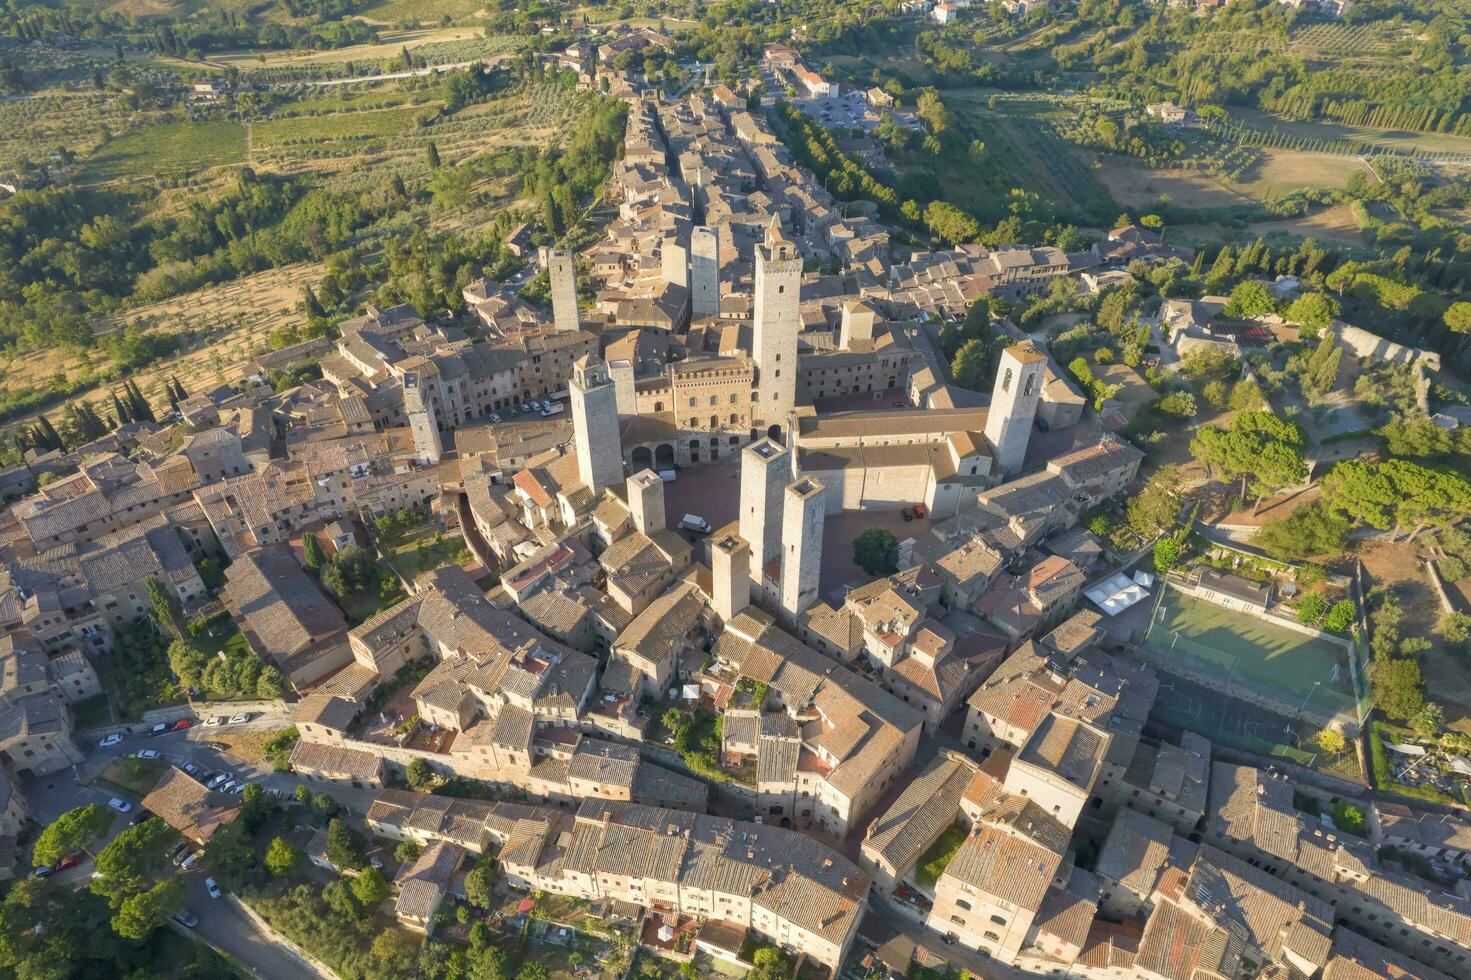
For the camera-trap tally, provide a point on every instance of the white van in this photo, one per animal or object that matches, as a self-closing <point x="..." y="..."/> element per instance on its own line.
<point x="694" y="522"/>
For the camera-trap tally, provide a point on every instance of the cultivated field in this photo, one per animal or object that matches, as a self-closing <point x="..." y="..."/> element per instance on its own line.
<point x="168" y="149"/>
<point x="1134" y="184"/>
<point x="220" y="327"/>
<point x="1281" y="172"/>
<point x="390" y="44"/>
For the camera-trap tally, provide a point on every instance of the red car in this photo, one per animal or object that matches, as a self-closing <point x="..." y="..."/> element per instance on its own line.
<point x="70" y="861"/>
<point x="919" y="510"/>
<point x="181" y="724"/>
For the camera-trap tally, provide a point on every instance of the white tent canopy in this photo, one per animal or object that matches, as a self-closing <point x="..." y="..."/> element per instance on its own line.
<point x="1120" y="591"/>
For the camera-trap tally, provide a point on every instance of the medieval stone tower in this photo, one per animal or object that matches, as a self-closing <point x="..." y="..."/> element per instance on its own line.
<point x="704" y="271"/>
<point x="730" y="573"/>
<point x="646" y="501"/>
<point x="1014" y="404"/>
<point x="562" y="277"/>
<point x="595" y="424"/>
<point x="764" y="472"/>
<point x="804" y="509"/>
<point x="775" y="326"/>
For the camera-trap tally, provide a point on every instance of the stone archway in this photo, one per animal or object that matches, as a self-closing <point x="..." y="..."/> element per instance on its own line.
<point x="664" y="456"/>
<point x="774" y="432"/>
<point x="642" y="458"/>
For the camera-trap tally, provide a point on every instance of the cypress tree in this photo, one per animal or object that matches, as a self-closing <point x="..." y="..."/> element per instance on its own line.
<point x="120" y="410"/>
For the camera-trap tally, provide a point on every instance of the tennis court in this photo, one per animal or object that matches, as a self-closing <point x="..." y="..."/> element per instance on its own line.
<point x="1250" y="650"/>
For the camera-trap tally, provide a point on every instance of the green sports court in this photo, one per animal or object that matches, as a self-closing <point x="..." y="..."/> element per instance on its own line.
<point x="1245" y="648"/>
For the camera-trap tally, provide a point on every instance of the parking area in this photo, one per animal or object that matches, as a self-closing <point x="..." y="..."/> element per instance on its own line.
<point x="712" y="492"/>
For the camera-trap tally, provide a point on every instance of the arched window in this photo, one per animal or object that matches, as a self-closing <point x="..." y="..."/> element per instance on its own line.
<point x="1006" y="380"/>
<point x="1027" y="388"/>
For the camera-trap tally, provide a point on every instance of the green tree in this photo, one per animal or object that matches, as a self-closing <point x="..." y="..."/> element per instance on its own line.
<point x="1340" y="616"/>
<point x="1397" y="494"/>
<point x="1429" y="721"/>
<point x="1166" y="554"/>
<point x="972" y="366"/>
<point x="343" y="847"/>
<point x="406" y="851"/>
<point x="187" y="663"/>
<point x="312" y="549"/>
<point x="71" y="832"/>
<point x="1314" y="311"/>
<point x="1348" y="818"/>
<point x="1250" y="298"/>
<point x="479" y="883"/>
<point x="431" y="154"/>
<point x="283" y="858"/>
<point x="533" y="971"/>
<point x="1332" y="741"/>
<point x="1216" y="394"/>
<point x="1399" y="687"/>
<point x="166" y="606"/>
<point x="126" y="864"/>
<point x="1311" y="608"/>
<point x="370" y="887"/>
<point x="1308" y="531"/>
<point x="876" y="551"/>
<point x="1261" y="450"/>
<point x="1246" y="396"/>
<point x="420" y="775"/>
<point x="1156" y="509"/>
<point x="140" y="914"/>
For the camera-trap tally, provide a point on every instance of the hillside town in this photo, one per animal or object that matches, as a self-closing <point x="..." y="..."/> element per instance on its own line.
<point x="635" y="622"/>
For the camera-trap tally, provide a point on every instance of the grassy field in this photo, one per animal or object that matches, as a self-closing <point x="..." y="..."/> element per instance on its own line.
<point x="168" y="149"/>
<point x="338" y="126"/>
<point x="423" y="11"/>
<point x="1249" y="648"/>
<point x="1283" y="171"/>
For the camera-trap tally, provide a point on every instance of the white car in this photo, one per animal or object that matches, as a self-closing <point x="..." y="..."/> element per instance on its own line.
<point x="211" y="887"/>
<point x="120" y="805"/>
<point x="146" y="754"/>
<point x="494" y="417"/>
<point x="239" y="719"/>
<point x="214" y="722"/>
<point x="110" y="741"/>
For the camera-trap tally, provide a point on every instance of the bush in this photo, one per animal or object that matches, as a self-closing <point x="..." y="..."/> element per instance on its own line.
<point x="1348" y="818"/>
<point x="1311" y="608"/>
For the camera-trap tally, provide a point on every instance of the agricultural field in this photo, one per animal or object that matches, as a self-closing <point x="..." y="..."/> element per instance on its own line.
<point x="390" y="44"/>
<point x="1328" y="132"/>
<point x="1338" y="41"/>
<point x="420" y="11"/>
<point x="1331" y="224"/>
<point x="167" y="149"/>
<point x="35" y="127"/>
<point x="1135" y="184"/>
<point x="1282" y="172"/>
<point x="220" y="327"/>
<point x="1023" y="151"/>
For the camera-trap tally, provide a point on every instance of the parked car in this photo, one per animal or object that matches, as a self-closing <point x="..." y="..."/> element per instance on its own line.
<point x="217" y="780"/>
<point x="181" y="724"/>
<point x="694" y="522"/>
<point x="190" y="768"/>
<point x="189" y="862"/>
<point x="110" y="741"/>
<point x="120" y="805"/>
<point x="179" y="853"/>
<point x="919" y="511"/>
<point x="159" y="729"/>
<point x="211" y="887"/>
<point x="146" y="754"/>
<point x="214" y="722"/>
<point x="494" y="417"/>
<point x="226" y="787"/>
<point x="44" y="871"/>
<point x="70" y="861"/>
<point x="239" y="719"/>
<point x="186" y="918"/>
<point x="908" y="514"/>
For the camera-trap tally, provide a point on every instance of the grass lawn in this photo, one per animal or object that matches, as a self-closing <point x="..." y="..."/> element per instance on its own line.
<point x="932" y="863"/>
<point x="168" y="148"/>
<point x="221" y="635"/>
<point x="415" y="551"/>
<point x="91" y="712"/>
<point x="364" y="604"/>
<point x="1250" y="648"/>
<point x="134" y="775"/>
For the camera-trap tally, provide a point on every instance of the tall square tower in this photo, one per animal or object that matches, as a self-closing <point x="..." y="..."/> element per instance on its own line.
<point x="765" y="470"/>
<point x="704" y="271"/>
<point x="562" y="278"/>
<point x="730" y="575"/>
<point x="804" y="510"/>
<point x="775" y="325"/>
<point x="595" y="424"/>
<point x="646" y="502"/>
<point x="1014" y="404"/>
